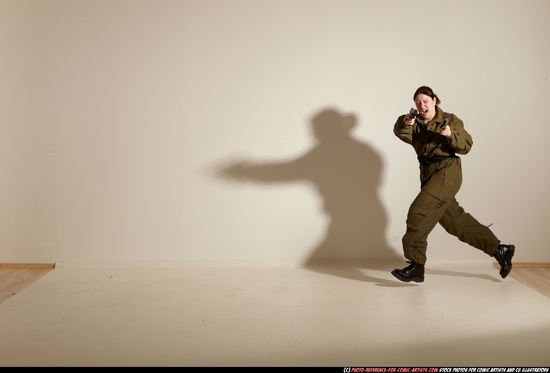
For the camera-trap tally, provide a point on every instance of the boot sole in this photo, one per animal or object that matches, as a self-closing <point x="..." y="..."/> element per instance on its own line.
<point x="407" y="279"/>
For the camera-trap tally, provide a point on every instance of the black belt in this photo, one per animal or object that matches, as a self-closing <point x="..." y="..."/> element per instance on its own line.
<point x="435" y="159"/>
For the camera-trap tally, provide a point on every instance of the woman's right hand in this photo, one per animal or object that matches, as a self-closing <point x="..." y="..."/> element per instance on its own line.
<point x="408" y="120"/>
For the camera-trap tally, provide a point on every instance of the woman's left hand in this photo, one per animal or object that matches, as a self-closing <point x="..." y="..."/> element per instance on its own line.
<point x="445" y="131"/>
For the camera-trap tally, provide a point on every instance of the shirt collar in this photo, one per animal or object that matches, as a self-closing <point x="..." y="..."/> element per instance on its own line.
<point x="438" y="115"/>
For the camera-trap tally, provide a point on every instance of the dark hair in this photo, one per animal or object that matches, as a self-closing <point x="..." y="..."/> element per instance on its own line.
<point x="428" y="92"/>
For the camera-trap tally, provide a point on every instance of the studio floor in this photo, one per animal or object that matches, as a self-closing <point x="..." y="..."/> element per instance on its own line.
<point x="170" y="314"/>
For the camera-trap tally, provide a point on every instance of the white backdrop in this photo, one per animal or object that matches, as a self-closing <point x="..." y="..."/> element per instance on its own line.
<point x="189" y="130"/>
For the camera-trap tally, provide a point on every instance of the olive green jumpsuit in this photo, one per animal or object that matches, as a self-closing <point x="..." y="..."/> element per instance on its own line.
<point x="440" y="178"/>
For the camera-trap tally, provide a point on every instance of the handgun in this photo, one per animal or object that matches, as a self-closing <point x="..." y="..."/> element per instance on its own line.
<point x="413" y="113"/>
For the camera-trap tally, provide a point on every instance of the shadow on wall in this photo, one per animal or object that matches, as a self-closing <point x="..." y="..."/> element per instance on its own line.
<point x="347" y="174"/>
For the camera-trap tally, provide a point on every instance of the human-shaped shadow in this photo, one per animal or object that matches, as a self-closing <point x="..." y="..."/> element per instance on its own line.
<point x="347" y="174"/>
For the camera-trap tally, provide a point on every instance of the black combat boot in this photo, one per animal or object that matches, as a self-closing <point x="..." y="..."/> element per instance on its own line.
<point x="414" y="272"/>
<point x="503" y="255"/>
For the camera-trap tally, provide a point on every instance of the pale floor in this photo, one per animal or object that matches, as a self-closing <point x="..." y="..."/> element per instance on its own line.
<point x="131" y="314"/>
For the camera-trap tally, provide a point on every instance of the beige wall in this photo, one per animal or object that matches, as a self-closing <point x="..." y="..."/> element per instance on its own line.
<point x="183" y="130"/>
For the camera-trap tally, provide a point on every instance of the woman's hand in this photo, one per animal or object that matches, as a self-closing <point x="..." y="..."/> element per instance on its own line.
<point x="445" y="131"/>
<point x="408" y="120"/>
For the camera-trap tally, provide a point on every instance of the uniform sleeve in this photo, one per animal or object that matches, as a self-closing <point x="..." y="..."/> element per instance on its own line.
<point x="460" y="140"/>
<point x="403" y="131"/>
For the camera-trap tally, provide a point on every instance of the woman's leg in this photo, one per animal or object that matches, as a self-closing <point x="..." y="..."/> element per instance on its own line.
<point x="424" y="213"/>
<point x="438" y="191"/>
<point x="464" y="226"/>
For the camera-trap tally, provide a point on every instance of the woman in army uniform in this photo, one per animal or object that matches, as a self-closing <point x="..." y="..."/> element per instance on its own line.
<point x="437" y="138"/>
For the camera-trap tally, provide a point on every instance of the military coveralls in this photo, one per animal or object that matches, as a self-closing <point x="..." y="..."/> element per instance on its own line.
<point x="440" y="179"/>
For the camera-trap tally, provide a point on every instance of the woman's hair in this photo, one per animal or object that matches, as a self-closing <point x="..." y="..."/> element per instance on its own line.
<point x="428" y="92"/>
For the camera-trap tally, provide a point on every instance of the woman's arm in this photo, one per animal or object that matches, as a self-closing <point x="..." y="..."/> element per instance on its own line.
<point x="459" y="139"/>
<point x="402" y="130"/>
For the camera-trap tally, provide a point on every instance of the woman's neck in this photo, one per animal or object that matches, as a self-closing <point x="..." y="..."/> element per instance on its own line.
<point x="430" y="118"/>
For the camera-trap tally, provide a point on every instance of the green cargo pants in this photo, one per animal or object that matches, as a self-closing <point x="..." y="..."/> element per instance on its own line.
<point x="436" y="203"/>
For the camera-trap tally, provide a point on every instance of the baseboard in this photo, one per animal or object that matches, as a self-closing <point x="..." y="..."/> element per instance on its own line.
<point x="526" y="265"/>
<point x="52" y="265"/>
<point x="28" y="265"/>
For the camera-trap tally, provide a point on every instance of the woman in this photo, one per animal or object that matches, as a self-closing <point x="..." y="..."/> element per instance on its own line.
<point x="437" y="137"/>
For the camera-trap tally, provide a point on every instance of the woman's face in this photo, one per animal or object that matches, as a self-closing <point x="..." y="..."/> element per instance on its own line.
<point x="425" y="105"/>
